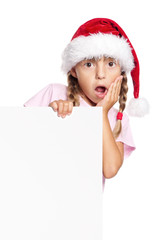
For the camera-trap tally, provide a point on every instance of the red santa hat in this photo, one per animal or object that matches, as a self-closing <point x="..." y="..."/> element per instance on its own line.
<point x="104" y="37"/>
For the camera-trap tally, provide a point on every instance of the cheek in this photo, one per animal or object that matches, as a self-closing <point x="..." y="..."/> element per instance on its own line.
<point x="113" y="76"/>
<point x="83" y="78"/>
<point x="116" y="73"/>
<point x="80" y="75"/>
<point x="82" y="82"/>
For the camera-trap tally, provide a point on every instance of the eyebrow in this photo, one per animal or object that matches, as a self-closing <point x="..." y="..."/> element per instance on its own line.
<point x="95" y="59"/>
<point x="90" y="59"/>
<point x="110" y="58"/>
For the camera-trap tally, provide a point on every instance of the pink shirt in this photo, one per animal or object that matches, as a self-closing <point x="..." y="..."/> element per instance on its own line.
<point x="58" y="91"/>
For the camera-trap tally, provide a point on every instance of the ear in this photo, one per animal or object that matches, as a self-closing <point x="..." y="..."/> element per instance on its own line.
<point x="73" y="72"/>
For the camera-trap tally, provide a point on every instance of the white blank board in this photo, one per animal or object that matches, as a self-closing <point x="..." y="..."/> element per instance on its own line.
<point x="50" y="174"/>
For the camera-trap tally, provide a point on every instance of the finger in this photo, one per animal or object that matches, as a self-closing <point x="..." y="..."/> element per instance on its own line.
<point x="60" y="109"/>
<point x="50" y="104"/>
<point x="70" y="108"/>
<point x="115" y="91"/>
<point x="119" y="86"/>
<point x="55" y="106"/>
<point x="65" y="108"/>
<point x="110" y="90"/>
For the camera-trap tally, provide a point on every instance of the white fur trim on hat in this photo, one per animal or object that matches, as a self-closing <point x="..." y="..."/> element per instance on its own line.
<point x="98" y="45"/>
<point x="138" y="107"/>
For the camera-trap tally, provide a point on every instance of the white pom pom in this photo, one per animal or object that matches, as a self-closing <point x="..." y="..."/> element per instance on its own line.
<point x="138" y="107"/>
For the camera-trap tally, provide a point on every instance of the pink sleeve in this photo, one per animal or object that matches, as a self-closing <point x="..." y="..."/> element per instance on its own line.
<point x="42" y="98"/>
<point x="126" y="137"/>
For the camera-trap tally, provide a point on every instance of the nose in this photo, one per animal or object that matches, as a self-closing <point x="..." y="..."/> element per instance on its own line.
<point x="100" y="70"/>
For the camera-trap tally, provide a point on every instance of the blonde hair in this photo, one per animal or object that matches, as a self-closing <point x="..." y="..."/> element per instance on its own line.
<point x="122" y="103"/>
<point x="73" y="91"/>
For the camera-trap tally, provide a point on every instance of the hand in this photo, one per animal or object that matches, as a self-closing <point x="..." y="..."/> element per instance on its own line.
<point x="112" y="95"/>
<point x="62" y="107"/>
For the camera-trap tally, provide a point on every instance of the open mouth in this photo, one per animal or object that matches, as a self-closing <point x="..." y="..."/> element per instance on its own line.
<point x="101" y="91"/>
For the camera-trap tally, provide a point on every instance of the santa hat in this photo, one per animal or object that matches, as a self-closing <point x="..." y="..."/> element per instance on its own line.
<point x="104" y="37"/>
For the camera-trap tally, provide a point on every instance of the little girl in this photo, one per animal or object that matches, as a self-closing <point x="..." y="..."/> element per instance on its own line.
<point x="96" y="62"/>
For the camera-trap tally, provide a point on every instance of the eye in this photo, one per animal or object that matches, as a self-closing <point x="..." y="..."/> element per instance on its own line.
<point x="111" y="64"/>
<point x="88" y="64"/>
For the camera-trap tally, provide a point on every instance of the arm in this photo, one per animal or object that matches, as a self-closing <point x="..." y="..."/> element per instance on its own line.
<point x="113" y="151"/>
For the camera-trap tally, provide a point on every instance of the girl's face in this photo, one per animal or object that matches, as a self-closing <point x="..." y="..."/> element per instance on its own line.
<point x="95" y="77"/>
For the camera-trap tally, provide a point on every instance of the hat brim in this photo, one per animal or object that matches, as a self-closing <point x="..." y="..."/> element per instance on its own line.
<point x="98" y="45"/>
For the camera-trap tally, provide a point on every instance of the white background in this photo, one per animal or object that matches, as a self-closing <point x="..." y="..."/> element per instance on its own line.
<point x="33" y="35"/>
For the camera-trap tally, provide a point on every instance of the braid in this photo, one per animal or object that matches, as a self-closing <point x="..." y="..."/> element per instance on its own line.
<point x="123" y="93"/>
<point x="122" y="104"/>
<point x="73" y="90"/>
